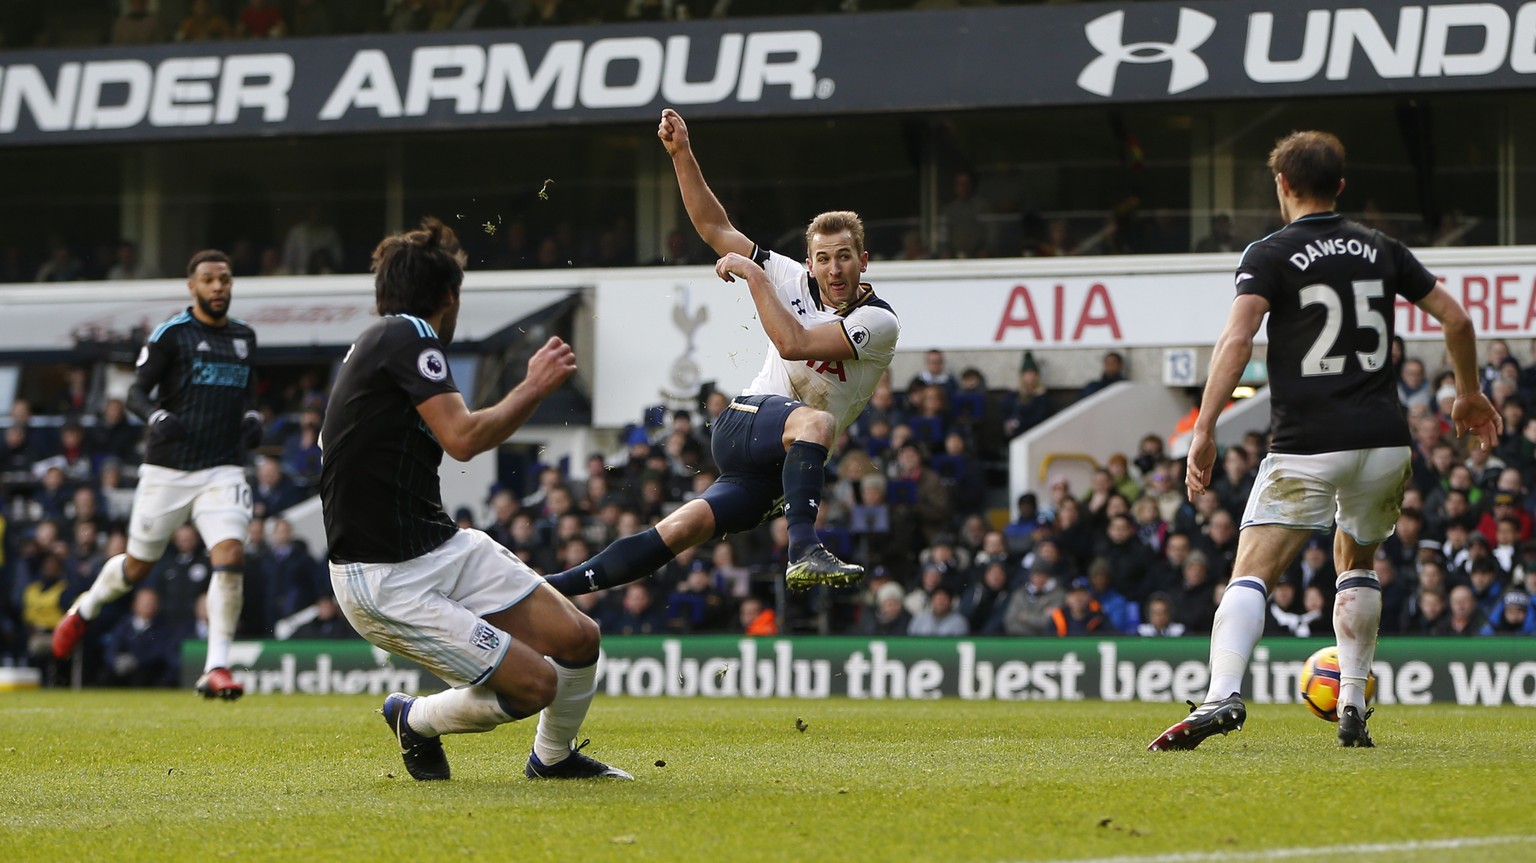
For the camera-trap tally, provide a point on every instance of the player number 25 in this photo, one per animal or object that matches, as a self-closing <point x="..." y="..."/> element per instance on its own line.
<point x="1316" y="361"/>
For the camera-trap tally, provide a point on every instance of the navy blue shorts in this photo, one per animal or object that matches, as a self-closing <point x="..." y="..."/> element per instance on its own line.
<point x="747" y="440"/>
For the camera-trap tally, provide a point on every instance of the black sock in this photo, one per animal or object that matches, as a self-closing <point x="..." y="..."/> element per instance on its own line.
<point x="629" y="559"/>
<point x="805" y="474"/>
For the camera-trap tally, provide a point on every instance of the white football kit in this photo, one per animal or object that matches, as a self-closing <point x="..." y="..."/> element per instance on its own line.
<point x="840" y="387"/>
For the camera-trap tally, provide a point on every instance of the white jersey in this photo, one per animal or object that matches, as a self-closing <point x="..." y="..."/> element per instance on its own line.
<point x="839" y="387"/>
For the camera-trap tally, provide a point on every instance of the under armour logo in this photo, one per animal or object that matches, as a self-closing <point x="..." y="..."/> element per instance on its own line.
<point x="799" y="306"/>
<point x="1105" y="35"/>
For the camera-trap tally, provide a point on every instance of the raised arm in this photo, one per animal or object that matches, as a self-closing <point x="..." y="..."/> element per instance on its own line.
<point x="464" y="434"/>
<point x="704" y="209"/>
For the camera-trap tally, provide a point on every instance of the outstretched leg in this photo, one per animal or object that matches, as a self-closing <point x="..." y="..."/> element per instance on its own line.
<point x="638" y="555"/>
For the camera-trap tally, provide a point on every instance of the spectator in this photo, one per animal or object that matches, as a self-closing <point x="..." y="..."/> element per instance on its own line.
<point x="52" y="495"/>
<point x="203" y="25"/>
<point x="962" y="475"/>
<point x="984" y="602"/>
<point x="1221" y="238"/>
<point x="1513" y="616"/>
<point x="1029" y="405"/>
<point x="675" y="251"/>
<point x="1029" y="609"/>
<point x="128" y="264"/>
<point x="934" y="373"/>
<point x="1056" y="242"/>
<point x="638" y="616"/>
<point x="136" y="25"/>
<point x="1465" y="618"/>
<point x="1111" y="372"/>
<point x="260" y="19"/>
<point x="1413" y="388"/>
<point x="924" y="502"/>
<point x="1160" y="622"/>
<point x="114" y="436"/>
<point x="328" y="622"/>
<point x="116" y="501"/>
<point x="757" y="619"/>
<point x="72" y="459"/>
<point x="1235" y="483"/>
<point x="1128" y="558"/>
<point x="1122" y="613"/>
<point x="1080" y="614"/>
<point x="1429" y="615"/>
<point x="940" y="618"/>
<point x="912" y="248"/>
<point x="181" y="577"/>
<point x="43" y="602"/>
<point x="312" y="245"/>
<point x="964" y="220"/>
<point x="697" y="605"/>
<point x="301" y="454"/>
<point x="1485" y="587"/>
<point x="141" y="650"/>
<point x="1197" y="601"/>
<point x="273" y="492"/>
<point x="890" y="617"/>
<point x="61" y="265"/>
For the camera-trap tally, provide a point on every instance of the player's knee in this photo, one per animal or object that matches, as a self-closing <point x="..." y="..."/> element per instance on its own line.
<point x="584" y="641"/>
<point x="817" y="427"/>
<point x="539" y="691"/>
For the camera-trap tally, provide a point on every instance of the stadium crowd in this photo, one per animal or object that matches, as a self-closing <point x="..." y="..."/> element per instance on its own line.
<point x="909" y="494"/>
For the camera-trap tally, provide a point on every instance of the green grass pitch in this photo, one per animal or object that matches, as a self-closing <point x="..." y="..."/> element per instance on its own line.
<point x="108" y="776"/>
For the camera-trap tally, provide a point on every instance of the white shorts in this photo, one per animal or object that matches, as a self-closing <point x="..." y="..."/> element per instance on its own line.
<point x="430" y="609"/>
<point x="218" y="500"/>
<point x="1362" y="488"/>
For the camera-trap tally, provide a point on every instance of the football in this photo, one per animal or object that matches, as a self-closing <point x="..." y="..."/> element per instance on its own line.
<point x="1320" y="684"/>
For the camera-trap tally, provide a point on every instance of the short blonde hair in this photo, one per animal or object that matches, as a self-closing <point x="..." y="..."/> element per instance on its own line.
<point x="835" y="222"/>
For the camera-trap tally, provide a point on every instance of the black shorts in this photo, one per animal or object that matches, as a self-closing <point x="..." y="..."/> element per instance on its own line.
<point x="747" y="441"/>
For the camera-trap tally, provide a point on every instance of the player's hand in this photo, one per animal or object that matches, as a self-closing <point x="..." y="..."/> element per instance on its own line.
<point x="1202" y="457"/>
<point x="164" y="427"/>
<point x="673" y="132"/>
<point x="550" y="367"/>
<point x="734" y="266"/>
<point x="250" y="429"/>
<point x="1476" y="414"/>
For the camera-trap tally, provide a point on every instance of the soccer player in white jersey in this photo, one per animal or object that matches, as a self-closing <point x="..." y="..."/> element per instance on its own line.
<point x="1340" y="448"/>
<point x="195" y="389"/>
<point x="832" y="340"/>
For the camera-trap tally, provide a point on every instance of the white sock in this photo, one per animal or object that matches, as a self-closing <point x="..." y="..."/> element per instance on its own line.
<point x="559" y="722"/>
<point x="470" y="710"/>
<point x="226" y="593"/>
<point x="1239" y="623"/>
<point x="110" y="584"/>
<point x="1356" y="618"/>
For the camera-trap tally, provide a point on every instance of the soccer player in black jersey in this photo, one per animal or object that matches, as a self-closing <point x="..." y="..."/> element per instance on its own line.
<point x="1340" y="447"/>
<point x="195" y="388"/>
<point x="406" y="578"/>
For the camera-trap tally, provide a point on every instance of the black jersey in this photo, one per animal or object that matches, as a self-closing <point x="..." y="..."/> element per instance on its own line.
<point x="379" y="489"/>
<point x="1332" y="287"/>
<point x="206" y="377"/>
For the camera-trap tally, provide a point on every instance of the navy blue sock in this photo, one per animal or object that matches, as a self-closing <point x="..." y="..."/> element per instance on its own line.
<point x="629" y="559"/>
<point x="805" y="474"/>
